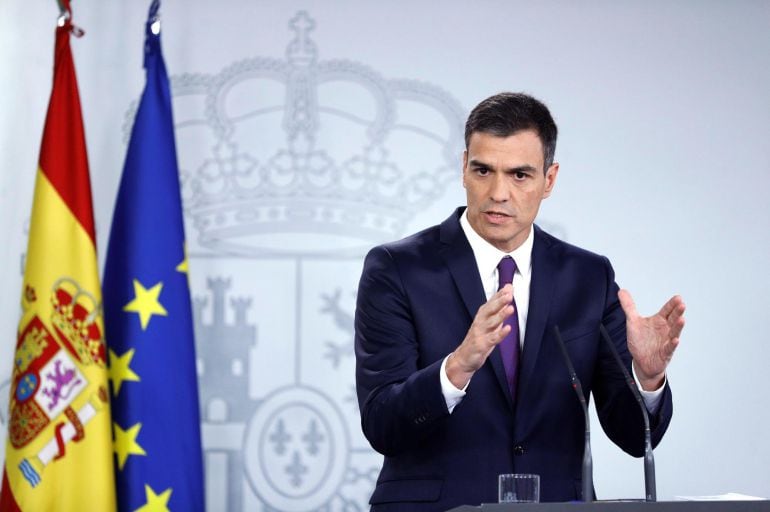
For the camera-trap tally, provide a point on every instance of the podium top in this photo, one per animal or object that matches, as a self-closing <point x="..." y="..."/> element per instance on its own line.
<point x="623" y="506"/>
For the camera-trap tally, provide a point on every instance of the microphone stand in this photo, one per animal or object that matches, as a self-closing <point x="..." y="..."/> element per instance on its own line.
<point x="649" y="460"/>
<point x="587" y="469"/>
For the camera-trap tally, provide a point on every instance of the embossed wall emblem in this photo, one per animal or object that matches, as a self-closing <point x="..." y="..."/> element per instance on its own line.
<point x="292" y="169"/>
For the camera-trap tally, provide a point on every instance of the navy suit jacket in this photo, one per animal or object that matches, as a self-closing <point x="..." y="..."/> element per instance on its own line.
<point x="416" y="300"/>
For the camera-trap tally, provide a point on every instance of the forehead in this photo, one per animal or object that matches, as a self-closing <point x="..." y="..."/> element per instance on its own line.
<point x="522" y="147"/>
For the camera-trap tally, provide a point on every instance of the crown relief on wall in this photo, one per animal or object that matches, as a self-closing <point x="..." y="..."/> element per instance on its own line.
<point x="329" y="148"/>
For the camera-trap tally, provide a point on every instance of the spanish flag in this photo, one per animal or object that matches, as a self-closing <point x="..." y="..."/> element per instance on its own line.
<point x="59" y="448"/>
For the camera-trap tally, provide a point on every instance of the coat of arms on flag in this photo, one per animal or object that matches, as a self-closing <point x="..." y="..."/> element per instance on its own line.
<point x="48" y="381"/>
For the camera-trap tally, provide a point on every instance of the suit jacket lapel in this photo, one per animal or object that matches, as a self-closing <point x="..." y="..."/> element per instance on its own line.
<point x="544" y="267"/>
<point x="458" y="256"/>
<point x="459" y="259"/>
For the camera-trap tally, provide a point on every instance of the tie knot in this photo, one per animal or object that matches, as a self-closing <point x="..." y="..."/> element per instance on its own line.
<point x="505" y="270"/>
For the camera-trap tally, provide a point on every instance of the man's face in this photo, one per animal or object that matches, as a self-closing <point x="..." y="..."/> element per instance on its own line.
<point x="504" y="184"/>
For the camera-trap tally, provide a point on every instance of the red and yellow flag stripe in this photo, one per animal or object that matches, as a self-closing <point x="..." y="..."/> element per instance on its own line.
<point x="59" y="448"/>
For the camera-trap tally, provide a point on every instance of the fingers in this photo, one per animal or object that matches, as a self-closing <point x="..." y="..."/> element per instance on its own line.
<point x="495" y="321"/>
<point x="500" y="334"/>
<point x="502" y="297"/>
<point x="675" y="304"/>
<point x="496" y="305"/>
<point x="673" y="312"/>
<point x="627" y="303"/>
<point x="487" y="331"/>
<point x="676" y="322"/>
<point x="671" y="347"/>
<point x="492" y="315"/>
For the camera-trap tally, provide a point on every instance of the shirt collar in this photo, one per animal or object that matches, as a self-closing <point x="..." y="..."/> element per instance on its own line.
<point x="488" y="256"/>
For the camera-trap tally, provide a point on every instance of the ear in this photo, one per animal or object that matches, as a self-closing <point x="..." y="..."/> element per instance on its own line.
<point x="465" y="165"/>
<point x="550" y="179"/>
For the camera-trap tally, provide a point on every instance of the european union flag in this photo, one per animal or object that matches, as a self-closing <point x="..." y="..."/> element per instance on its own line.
<point x="148" y="315"/>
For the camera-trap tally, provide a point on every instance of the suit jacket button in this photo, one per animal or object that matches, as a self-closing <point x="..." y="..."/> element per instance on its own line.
<point x="518" y="450"/>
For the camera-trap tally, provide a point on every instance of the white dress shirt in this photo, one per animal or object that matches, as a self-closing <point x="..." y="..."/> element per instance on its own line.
<point x="487" y="258"/>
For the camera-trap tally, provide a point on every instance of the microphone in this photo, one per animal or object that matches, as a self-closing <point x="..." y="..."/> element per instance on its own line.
<point x="588" y="464"/>
<point x="649" y="460"/>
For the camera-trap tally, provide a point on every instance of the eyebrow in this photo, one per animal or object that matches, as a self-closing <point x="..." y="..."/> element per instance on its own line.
<point x="521" y="168"/>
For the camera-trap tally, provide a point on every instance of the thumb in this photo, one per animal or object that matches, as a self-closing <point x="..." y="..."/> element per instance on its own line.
<point x="627" y="303"/>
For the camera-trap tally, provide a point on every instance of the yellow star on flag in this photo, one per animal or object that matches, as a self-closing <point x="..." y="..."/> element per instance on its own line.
<point x="120" y="370"/>
<point x="125" y="443"/>
<point x="155" y="502"/>
<point x="146" y="303"/>
<point x="182" y="267"/>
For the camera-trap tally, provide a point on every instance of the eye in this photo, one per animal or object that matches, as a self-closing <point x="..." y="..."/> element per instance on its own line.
<point x="481" y="171"/>
<point x="520" y="175"/>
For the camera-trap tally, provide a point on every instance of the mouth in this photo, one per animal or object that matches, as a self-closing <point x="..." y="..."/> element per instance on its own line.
<point x="497" y="217"/>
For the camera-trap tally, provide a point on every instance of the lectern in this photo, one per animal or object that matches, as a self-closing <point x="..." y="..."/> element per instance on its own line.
<point x="623" y="506"/>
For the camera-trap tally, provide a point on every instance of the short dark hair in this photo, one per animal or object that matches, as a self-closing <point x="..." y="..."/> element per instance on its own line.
<point x="506" y="113"/>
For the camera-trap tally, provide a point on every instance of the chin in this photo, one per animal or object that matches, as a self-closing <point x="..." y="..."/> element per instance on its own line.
<point x="500" y="243"/>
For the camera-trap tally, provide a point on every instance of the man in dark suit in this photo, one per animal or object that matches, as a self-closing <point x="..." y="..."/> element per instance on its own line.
<point x="459" y="376"/>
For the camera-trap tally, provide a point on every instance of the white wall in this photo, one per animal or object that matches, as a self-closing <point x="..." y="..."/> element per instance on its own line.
<point x="663" y="113"/>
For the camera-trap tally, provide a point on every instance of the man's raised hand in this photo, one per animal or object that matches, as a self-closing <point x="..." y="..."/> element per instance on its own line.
<point x="485" y="333"/>
<point x="652" y="340"/>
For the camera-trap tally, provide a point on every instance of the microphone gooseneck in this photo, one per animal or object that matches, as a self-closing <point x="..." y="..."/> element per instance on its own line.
<point x="649" y="460"/>
<point x="588" y="473"/>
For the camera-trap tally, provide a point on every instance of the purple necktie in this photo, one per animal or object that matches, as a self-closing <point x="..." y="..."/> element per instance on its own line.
<point x="509" y="347"/>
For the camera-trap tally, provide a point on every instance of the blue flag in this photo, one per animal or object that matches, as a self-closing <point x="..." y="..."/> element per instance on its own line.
<point x="148" y="314"/>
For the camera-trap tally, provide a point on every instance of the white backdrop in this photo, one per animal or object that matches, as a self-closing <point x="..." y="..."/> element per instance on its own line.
<point x="663" y="113"/>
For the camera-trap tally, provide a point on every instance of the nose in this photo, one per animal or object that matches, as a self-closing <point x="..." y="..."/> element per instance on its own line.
<point x="498" y="191"/>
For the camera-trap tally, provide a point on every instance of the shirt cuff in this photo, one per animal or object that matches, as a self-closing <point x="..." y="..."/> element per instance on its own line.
<point x="452" y="395"/>
<point x="651" y="398"/>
